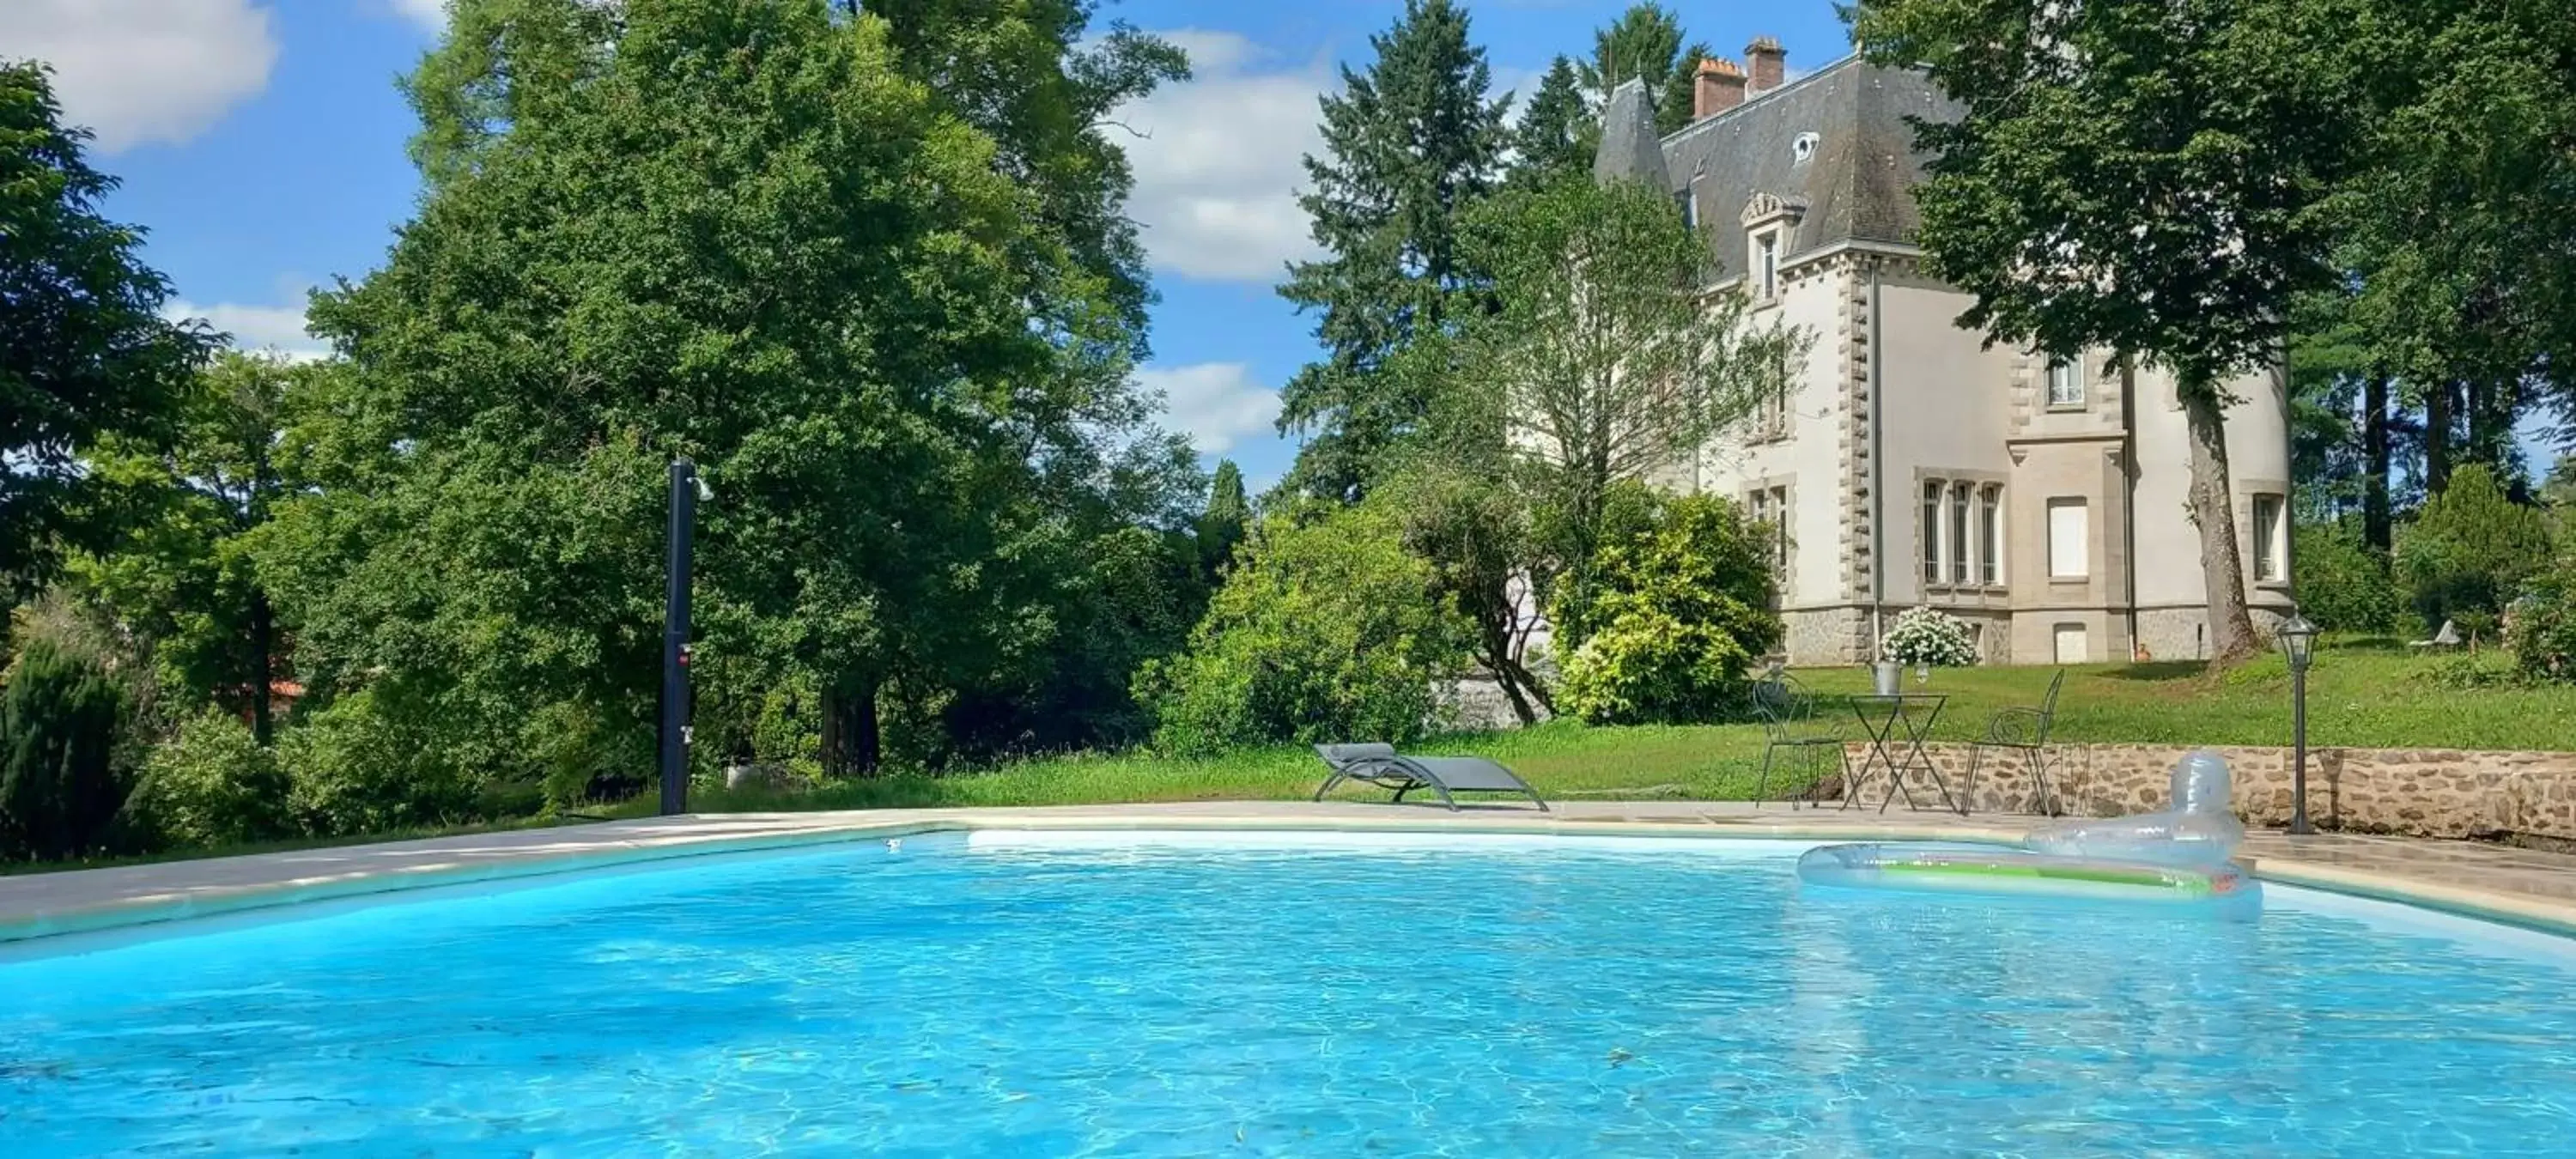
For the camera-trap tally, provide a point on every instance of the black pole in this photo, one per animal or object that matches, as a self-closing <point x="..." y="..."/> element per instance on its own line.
<point x="675" y="642"/>
<point x="2299" y="739"/>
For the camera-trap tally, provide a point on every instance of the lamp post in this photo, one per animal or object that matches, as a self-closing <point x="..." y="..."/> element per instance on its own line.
<point x="2299" y="645"/>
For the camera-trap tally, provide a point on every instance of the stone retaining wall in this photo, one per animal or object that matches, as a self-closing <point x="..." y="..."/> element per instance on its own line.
<point x="2418" y="792"/>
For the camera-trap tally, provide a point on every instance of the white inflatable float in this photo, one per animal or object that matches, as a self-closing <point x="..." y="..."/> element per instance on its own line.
<point x="2176" y="856"/>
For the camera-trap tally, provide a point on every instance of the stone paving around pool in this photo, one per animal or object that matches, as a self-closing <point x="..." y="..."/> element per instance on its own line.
<point x="2521" y="886"/>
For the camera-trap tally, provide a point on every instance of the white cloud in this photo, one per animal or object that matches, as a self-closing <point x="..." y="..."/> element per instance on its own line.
<point x="1214" y="403"/>
<point x="1217" y="170"/>
<point x="429" y="14"/>
<point x="142" y="71"/>
<point x="279" y="328"/>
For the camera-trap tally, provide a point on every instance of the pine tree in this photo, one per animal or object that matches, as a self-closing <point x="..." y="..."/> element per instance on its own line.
<point x="1409" y="143"/>
<point x="1557" y="131"/>
<point x="1645" y="43"/>
<point x="1228" y="517"/>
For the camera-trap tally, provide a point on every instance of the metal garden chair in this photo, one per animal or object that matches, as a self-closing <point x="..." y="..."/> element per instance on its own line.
<point x="1790" y="721"/>
<point x="2023" y="728"/>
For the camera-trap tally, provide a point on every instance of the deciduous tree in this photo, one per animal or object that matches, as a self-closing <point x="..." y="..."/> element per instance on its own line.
<point x="2144" y="175"/>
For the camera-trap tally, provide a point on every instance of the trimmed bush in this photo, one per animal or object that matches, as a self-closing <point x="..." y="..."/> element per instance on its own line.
<point x="59" y="785"/>
<point x="2469" y="551"/>
<point x="211" y="784"/>
<point x="1326" y="630"/>
<point x="1680" y="611"/>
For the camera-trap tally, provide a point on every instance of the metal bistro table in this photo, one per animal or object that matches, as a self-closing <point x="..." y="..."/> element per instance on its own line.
<point x="1881" y="717"/>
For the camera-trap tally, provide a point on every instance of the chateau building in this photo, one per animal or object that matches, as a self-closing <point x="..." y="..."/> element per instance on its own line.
<point x="2042" y="500"/>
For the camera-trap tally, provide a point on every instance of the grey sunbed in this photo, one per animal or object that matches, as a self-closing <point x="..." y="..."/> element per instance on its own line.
<point x="1380" y="765"/>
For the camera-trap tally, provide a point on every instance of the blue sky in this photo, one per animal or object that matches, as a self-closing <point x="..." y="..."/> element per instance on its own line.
<point x="261" y="143"/>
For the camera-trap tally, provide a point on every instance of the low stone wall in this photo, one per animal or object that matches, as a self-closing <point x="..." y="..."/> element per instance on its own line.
<point x="2417" y="792"/>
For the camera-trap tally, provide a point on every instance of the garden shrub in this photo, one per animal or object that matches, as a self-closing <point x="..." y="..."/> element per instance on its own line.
<point x="2469" y="551"/>
<point x="2540" y="628"/>
<point x="1326" y="630"/>
<point x="357" y="767"/>
<point x="210" y="784"/>
<point x="1923" y="636"/>
<point x="1680" y="610"/>
<point x="2343" y="585"/>
<point x="60" y="787"/>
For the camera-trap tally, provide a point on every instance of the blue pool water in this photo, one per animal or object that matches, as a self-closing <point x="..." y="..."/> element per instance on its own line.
<point x="1525" y="998"/>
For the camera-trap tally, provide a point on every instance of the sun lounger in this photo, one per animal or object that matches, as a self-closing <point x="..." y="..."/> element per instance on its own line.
<point x="1382" y="766"/>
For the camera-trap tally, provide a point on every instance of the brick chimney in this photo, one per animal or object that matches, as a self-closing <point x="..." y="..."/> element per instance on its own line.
<point x="1769" y="62"/>
<point x="1719" y="86"/>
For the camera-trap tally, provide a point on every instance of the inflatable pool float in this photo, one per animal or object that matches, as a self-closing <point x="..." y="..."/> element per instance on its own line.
<point x="2177" y="855"/>
<point x="1937" y="869"/>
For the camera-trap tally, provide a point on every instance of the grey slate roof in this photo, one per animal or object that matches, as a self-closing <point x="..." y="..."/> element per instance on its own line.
<point x="1858" y="185"/>
<point x="1628" y="146"/>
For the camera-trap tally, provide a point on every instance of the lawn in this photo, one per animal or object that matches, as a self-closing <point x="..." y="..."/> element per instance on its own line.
<point x="2368" y="694"/>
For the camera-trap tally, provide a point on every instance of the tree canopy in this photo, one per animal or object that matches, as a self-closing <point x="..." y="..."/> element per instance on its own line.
<point x="84" y="350"/>
<point x="1409" y="143"/>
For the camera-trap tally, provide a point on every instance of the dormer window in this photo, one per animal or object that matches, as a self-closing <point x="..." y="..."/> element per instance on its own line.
<point x="1768" y="220"/>
<point x="1689" y="207"/>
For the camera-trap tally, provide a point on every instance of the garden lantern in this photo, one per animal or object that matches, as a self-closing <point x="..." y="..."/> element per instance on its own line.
<point x="2298" y="644"/>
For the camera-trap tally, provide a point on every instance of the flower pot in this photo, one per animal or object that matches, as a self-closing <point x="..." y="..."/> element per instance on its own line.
<point x="1889" y="672"/>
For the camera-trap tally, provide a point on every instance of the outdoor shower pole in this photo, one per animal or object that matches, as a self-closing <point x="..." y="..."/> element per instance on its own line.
<point x="675" y="641"/>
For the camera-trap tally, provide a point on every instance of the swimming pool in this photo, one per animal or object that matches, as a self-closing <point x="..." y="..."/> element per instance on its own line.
<point x="1286" y="994"/>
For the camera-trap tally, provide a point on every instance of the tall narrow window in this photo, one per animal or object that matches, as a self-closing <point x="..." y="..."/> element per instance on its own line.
<point x="1689" y="206"/>
<point x="2065" y="382"/>
<point x="1990" y="535"/>
<point x="2268" y="561"/>
<point x="1766" y="263"/>
<point x="1931" y="528"/>
<point x="2070" y="545"/>
<point x="1780" y="528"/>
<point x="1960" y="558"/>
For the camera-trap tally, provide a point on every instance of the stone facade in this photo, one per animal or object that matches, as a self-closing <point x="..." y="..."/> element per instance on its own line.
<point x="2414" y="792"/>
<point x="1906" y="461"/>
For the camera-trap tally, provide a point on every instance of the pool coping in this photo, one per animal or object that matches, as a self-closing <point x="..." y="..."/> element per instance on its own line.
<point x="25" y="915"/>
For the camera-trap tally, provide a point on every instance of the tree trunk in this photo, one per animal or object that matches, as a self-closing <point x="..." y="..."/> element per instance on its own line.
<point x="2437" y="438"/>
<point x="2231" y="626"/>
<point x="263" y="646"/>
<point x="2374" y="479"/>
<point x="851" y="743"/>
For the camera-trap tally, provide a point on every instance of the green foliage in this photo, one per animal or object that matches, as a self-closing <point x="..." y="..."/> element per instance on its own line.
<point x="371" y="762"/>
<point x="1556" y="134"/>
<point x="84" y="350"/>
<point x="1928" y="636"/>
<point x="2540" y="627"/>
<point x="60" y="718"/>
<point x="1226" y="521"/>
<point x="1326" y="630"/>
<point x="871" y="272"/>
<point x="1645" y="43"/>
<point x="179" y="578"/>
<point x="2469" y="550"/>
<point x="211" y="784"/>
<point x="1594" y="369"/>
<point x="1682" y="610"/>
<point x="2342" y="584"/>
<point x="2146" y="178"/>
<point x="1461" y="516"/>
<point x="1409" y="144"/>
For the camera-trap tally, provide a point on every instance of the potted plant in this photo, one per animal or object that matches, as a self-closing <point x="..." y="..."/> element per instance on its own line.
<point x="1924" y="639"/>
